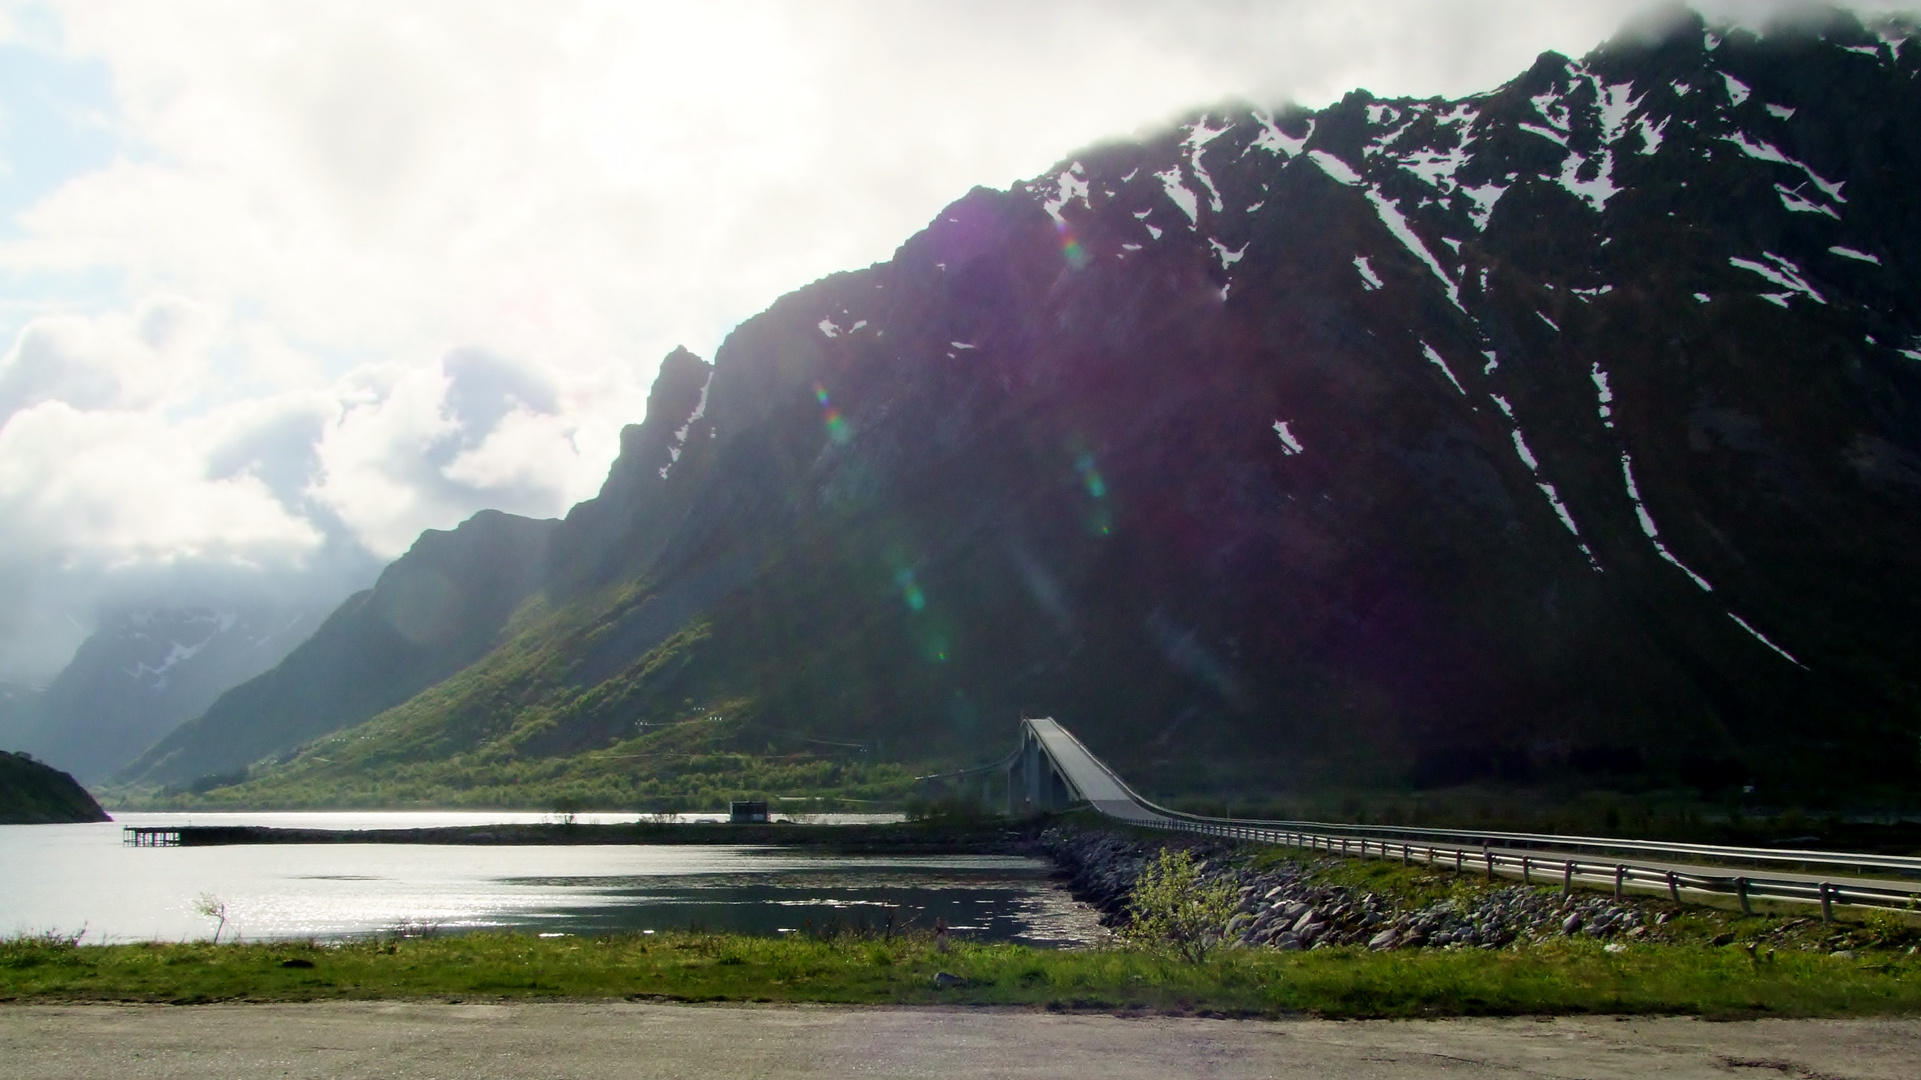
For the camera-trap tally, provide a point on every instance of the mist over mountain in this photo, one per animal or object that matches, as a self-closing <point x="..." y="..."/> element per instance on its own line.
<point x="138" y="677"/>
<point x="433" y="611"/>
<point x="1570" y="431"/>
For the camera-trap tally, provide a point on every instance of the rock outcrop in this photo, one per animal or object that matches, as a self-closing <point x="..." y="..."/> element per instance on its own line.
<point x="35" y="794"/>
<point x="1287" y="907"/>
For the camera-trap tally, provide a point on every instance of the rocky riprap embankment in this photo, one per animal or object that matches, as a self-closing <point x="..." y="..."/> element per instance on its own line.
<point x="1291" y="906"/>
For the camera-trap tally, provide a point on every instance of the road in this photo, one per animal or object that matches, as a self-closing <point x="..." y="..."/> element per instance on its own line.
<point x="419" y="1041"/>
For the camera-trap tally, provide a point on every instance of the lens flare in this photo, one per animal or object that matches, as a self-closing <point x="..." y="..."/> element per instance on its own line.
<point x="1071" y="249"/>
<point x="910" y="590"/>
<point x="1100" y="518"/>
<point x="837" y="428"/>
<point x="1090" y="476"/>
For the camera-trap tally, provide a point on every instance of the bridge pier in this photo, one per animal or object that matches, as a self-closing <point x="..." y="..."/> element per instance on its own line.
<point x="1034" y="783"/>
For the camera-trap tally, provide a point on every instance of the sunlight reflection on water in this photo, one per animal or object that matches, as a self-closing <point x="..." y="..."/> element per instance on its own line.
<point x="65" y="877"/>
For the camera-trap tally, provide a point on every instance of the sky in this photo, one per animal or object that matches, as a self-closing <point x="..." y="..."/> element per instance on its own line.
<point x="283" y="284"/>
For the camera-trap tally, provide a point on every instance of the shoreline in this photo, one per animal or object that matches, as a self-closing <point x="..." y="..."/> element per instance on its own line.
<point x="899" y="838"/>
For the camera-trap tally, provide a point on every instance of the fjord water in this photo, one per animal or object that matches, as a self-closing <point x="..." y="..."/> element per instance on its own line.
<point x="69" y="877"/>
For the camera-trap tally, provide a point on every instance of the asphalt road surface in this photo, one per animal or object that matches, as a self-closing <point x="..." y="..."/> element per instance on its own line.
<point x="415" y="1041"/>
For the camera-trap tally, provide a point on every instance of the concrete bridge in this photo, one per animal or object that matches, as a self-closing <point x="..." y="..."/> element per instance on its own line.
<point x="1051" y="771"/>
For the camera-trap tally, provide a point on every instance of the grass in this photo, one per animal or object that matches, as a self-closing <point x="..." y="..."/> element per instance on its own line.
<point x="1562" y="977"/>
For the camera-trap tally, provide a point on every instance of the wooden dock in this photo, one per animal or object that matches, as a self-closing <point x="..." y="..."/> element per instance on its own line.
<point x="151" y="836"/>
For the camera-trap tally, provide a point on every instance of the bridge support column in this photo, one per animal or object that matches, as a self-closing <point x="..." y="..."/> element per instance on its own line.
<point x="1031" y="773"/>
<point x="1057" y="798"/>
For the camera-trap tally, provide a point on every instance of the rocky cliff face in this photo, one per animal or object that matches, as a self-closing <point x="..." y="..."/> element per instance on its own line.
<point x="35" y="794"/>
<point x="1566" y="432"/>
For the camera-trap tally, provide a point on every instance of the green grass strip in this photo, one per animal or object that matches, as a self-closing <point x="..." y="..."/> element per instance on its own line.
<point x="1561" y="977"/>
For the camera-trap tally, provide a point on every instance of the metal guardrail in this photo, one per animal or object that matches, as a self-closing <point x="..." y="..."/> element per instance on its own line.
<point x="1634" y="864"/>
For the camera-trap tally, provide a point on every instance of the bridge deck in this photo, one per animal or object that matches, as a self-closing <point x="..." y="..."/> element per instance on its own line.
<point x="1089" y="777"/>
<point x="1764" y="878"/>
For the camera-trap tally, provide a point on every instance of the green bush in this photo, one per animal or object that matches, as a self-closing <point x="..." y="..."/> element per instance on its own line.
<point x="1171" y="909"/>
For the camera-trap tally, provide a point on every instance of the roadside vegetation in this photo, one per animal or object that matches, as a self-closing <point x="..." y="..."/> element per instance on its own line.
<point x="1573" y="976"/>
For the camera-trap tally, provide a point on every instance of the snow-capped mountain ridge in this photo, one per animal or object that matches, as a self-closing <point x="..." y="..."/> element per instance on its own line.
<point x="1435" y="171"/>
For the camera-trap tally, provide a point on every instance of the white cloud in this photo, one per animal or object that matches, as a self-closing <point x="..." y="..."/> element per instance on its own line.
<point x="128" y="468"/>
<point x="114" y="487"/>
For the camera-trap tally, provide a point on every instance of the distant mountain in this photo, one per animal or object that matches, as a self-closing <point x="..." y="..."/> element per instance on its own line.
<point x="16" y="712"/>
<point x="1567" y="433"/>
<point x="140" y="675"/>
<point x="35" y="794"/>
<point x="435" y="610"/>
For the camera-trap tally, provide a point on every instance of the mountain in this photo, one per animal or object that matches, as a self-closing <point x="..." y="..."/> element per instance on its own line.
<point x="35" y="794"/>
<point x="1565" y="434"/>
<point x="432" y="612"/>
<point x="142" y="673"/>
<point x="16" y="711"/>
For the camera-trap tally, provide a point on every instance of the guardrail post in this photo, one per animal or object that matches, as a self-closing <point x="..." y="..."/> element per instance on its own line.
<point x="1674" y="886"/>
<point x="1567" y="879"/>
<point x="1459" y="858"/>
<point x="1527" y="870"/>
<point x="1488" y="856"/>
<point x="1741" y="890"/>
<point x="1403" y="853"/>
<point x="1620" y="877"/>
<point x="1827" y="902"/>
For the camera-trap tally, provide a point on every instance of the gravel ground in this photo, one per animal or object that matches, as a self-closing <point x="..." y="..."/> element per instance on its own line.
<point x="416" y="1041"/>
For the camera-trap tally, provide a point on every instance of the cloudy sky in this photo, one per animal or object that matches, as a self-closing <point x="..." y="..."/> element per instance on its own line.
<point x="287" y="283"/>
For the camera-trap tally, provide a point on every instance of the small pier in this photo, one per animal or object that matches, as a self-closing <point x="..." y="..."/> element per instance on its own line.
<point x="151" y="836"/>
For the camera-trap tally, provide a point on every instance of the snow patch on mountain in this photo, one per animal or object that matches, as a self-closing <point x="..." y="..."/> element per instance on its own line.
<point x="1763" y="639"/>
<point x="1783" y="273"/>
<point x="1596" y="190"/>
<point x="1275" y="141"/>
<point x="1176" y="187"/>
<point x="1435" y="359"/>
<point x="1369" y="280"/>
<point x="1069" y="187"/>
<point x="1648" y="527"/>
<point x="680" y="437"/>
<point x="1484" y="197"/>
<point x="1797" y="203"/>
<point x="1390" y="215"/>
<point x="1199" y="134"/>
<point x="1761" y="150"/>
<point x="1228" y="256"/>
<point x="1334" y="167"/>
<point x="1651" y="134"/>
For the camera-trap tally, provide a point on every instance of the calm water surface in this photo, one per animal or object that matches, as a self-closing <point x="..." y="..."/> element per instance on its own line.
<point x="66" y="877"/>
